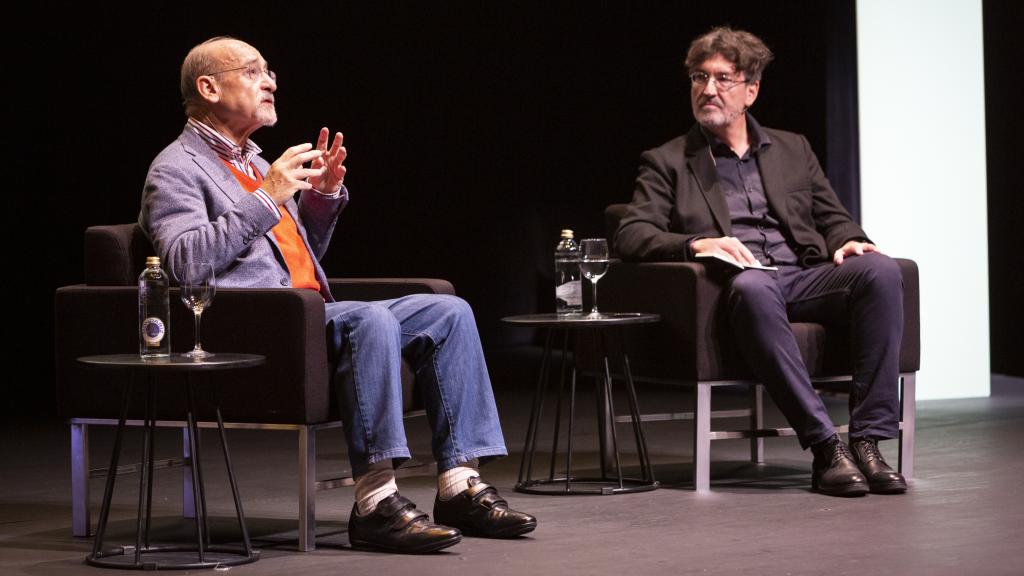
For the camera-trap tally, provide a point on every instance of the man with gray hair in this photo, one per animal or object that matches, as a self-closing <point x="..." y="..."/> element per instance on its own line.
<point x="757" y="198"/>
<point x="210" y="197"/>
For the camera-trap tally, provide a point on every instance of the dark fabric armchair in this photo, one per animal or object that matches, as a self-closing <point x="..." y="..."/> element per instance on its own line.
<point x="291" y="391"/>
<point x="692" y="347"/>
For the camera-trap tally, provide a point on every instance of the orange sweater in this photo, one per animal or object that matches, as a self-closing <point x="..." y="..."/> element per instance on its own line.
<point x="293" y="248"/>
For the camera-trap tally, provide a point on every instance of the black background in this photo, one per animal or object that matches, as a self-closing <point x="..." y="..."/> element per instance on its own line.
<point x="475" y="131"/>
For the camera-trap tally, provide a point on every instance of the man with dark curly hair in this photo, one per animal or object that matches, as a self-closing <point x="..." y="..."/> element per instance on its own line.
<point x="757" y="198"/>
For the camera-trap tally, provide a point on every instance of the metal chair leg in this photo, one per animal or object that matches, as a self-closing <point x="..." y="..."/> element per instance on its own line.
<point x="908" y="407"/>
<point x="757" y="422"/>
<point x="307" y="489"/>
<point x="702" y="437"/>
<point x="80" y="523"/>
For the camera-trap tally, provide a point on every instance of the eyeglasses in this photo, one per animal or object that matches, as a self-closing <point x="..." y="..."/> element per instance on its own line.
<point x="252" y="72"/>
<point x="723" y="81"/>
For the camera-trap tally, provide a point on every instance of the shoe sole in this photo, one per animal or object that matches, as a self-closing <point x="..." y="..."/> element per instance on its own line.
<point x="425" y="548"/>
<point x="509" y="532"/>
<point x="889" y="488"/>
<point x="850" y="490"/>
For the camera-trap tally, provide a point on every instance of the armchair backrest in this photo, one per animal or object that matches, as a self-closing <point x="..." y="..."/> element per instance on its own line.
<point x="612" y="216"/>
<point x="115" y="255"/>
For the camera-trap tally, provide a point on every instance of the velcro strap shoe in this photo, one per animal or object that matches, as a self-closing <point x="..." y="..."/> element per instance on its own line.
<point x="397" y="526"/>
<point x="480" y="511"/>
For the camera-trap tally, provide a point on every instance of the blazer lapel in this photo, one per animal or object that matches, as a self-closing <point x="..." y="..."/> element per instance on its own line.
<point x="219" y="174"/>
<point x="701" y="164"/>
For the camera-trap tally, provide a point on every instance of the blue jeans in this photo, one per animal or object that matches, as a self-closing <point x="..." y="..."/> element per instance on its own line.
<point x="437" y="334"/>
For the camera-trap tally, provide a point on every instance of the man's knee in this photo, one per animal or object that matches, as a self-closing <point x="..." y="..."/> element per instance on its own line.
<point x="444" y="306"/>
<point x="754" y="290"/>
<point x="878" y="273"/>
<point x="368" y="318"/>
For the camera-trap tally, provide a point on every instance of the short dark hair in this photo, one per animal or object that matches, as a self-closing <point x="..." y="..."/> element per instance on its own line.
<point x="746" y="51"/>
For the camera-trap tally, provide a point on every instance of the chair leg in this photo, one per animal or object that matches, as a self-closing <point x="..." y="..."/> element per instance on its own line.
<point x="908" y="407"/>
<point x="757" y="422"/>
<point x="188" y="508"/>
<point x="80" y="524"/>
<point x="307" y="489"/>
<point x="702" y="437"/>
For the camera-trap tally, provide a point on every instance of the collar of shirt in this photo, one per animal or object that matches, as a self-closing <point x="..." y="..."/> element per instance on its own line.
<point x="240" y="156"/>
<point x="758" y="140"/>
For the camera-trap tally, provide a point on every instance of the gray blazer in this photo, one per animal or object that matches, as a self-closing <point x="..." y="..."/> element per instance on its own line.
<point x="678" y="199"/>
<point x="193" y="209"/>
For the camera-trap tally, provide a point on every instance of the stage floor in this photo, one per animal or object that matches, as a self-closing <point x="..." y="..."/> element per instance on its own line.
<point x="963" y="513"/>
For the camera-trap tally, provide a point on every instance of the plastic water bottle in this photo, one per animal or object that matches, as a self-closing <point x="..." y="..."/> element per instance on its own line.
<point x="154" y="311"/>
<point x="568" y="290"/>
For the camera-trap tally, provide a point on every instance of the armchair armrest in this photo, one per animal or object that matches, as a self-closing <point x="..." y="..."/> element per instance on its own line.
<point x="681" y="346"/>
<point x="285" y="325"/>
<point x="693" y="341"/>
<point x="368" y="289"/>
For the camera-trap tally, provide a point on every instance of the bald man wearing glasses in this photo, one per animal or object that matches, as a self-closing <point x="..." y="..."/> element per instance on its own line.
<point x="210" y="197"/>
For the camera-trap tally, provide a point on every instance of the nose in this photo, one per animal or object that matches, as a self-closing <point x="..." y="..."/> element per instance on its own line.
<point x="710" y="88"/>
<point x="268" y="82"/>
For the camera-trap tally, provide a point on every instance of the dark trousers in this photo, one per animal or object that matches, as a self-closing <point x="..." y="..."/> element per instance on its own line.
<point x="863" y="294"/>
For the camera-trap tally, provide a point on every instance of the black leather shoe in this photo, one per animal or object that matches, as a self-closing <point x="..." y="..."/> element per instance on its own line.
<point x="479" y="511"/>
<point x="881" y="477"/>
<point x="397" y="526"/>
<point x="834" y="471"/>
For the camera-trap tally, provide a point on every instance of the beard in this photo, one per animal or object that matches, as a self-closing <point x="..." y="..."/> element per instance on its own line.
<point x="266" y="114"/>
<point x="714" y="116"/>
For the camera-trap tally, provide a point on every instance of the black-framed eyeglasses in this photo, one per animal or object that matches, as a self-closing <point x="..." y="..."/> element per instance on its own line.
<point x="724" y="81"/>
<point x="252" y="72"/>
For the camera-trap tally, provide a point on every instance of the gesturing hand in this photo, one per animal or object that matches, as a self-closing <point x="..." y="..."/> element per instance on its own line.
<point x="853" y="248"/>
<point x="288" y="175"/>
<point x="331" y="160"/>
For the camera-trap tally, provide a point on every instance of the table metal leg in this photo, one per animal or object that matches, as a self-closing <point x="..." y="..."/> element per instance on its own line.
<point x="145" y="478"/>
<point x="196" y="482"/>
<point x="108" y="491"/>
<point x="529" y="446"/>
<point x="234" y="483"/>
<point x="558" y="406"/>
<point x="610" y="415"/>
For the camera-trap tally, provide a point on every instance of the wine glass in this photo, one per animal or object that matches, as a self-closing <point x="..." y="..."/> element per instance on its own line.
<point x="594" y="265"/>
<point x="198" y="287"/>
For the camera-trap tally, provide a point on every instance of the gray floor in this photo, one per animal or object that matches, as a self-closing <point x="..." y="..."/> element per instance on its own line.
<point x="964" y="513"/>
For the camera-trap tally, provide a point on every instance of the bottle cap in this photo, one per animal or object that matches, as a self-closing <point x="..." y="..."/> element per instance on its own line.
<point x="566" y="233"/>
<point x="152" y="261"/>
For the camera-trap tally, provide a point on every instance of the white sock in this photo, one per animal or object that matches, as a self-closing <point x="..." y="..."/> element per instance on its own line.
<point x="375" y="485"/>
<point x="452" y="482"/>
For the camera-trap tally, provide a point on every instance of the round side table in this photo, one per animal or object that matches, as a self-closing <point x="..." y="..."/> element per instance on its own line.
<point x="617" y="483"/>
<point x="142" y="555"/>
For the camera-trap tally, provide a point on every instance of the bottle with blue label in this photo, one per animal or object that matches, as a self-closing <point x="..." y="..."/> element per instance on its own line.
<point x="154" y="311"/>
<point x="568" y="290"/>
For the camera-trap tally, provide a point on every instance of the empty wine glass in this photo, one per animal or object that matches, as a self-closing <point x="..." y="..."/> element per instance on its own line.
<point x="198" y="287"/>
<point x="594" y="265"/>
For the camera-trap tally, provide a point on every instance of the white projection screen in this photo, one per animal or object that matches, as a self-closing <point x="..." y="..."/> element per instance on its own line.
<point x="923" y="181"/>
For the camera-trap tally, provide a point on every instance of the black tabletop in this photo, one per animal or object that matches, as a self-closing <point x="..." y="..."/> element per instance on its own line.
<point x="582" y="321"/>
<point x="176" y="362"/>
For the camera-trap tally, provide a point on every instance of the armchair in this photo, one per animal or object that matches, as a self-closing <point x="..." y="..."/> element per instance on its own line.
<point x="290" y="392"/>
<point x="692" y="347"/>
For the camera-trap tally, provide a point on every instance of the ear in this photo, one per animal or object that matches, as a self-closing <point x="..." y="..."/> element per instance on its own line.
<point x="207" y="88"/>
<point x="751" y="93"/>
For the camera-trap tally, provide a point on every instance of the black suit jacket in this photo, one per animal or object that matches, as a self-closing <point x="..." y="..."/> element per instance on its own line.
<point x="678" y="199"/>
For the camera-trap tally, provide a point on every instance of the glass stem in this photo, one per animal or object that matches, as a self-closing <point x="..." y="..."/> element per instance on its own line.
<point x="593" y="305"/>
<point x="199" y="317"/>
